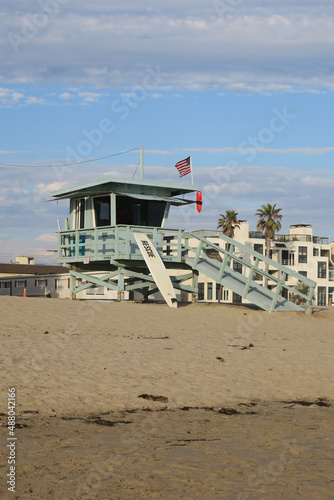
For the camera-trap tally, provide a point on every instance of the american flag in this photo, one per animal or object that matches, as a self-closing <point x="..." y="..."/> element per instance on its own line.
<point x="184" y="166"/>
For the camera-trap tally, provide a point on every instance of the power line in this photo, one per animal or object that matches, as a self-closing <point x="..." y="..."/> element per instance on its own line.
<point x="67" y="164"/>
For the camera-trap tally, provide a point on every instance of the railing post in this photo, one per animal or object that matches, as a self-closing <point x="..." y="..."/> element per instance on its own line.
<point x="310" y="296"/>
<point x="116" y="241"/>
<point x="179" y="245"/>
<point x="198" y="252"/>
<point x="76" y="246"/>
<point x="249" y="281"/>
<point x="224" y="264"/>
<point x="278" y="292"/>
<point x="96" y="242"/>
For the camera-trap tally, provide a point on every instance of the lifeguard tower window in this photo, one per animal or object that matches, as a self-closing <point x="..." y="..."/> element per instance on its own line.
<point x="102" y="211"/>
<point x="130" y="211"/>
<point x="80" y="213"/>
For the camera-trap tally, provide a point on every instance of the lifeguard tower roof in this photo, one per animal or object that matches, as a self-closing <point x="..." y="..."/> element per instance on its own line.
<point x="139" y="189"/>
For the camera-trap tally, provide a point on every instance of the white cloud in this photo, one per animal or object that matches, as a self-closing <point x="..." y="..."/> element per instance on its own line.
<point x="305" y="151"/>
<point x="48" y="237"/>
<point x="17" y="96"/>
<point x="35" y="100"/>
<point x="9" y="97"/>
<point x="258" y="46"/>
<point x="319" y="182"/>
<point x="90" y="96"/>
<point x="157" y="152"/>
<point x="66" y="95"/>
<point x="45" y="189"/>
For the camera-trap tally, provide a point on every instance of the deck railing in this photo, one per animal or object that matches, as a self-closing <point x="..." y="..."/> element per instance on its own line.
<point x="116" y="243"/>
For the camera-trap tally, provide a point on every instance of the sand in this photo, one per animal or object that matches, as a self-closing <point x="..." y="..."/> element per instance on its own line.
<point x="235" y="402"/>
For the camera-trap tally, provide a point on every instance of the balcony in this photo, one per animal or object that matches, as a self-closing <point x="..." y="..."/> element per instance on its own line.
<point x="289" y="237"/>
<point x="320" y="240"/>
<point x="256" y="234"/>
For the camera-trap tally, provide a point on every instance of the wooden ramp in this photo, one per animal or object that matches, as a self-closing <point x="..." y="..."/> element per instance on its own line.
<point x="215" y="261"/>
<point x="257" y="294"/>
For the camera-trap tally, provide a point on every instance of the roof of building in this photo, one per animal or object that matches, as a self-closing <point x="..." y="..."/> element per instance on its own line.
<point x="26" y="269"/>
<point x="127" y="187"/>
<point x="300" y="225"/>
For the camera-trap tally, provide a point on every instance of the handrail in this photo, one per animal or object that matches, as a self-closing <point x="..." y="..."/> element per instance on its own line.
<point x="258" y="255"/>
<point x="285" y="271"/>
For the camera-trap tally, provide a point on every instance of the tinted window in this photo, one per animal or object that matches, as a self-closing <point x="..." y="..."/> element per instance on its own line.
<point x="102" y="211"/>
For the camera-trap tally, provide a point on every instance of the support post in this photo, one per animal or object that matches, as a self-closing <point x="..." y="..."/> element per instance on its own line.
<point x="120" y="293"/>
<point x="194" y="295"/>
<point x="145" y="294"/>
<point x="73" y="282"/>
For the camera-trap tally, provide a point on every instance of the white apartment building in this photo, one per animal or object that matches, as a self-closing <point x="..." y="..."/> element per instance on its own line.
<point x="309" y="255"/>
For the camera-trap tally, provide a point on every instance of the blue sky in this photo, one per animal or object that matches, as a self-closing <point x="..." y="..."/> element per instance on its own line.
<point x="246" y="88"/>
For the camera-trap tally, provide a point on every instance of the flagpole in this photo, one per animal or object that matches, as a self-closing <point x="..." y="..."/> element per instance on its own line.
<point x="191" y="170"/>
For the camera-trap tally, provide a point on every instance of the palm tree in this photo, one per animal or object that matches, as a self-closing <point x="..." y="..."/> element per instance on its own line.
<point x="229" y="222"/>
<point x="269" y="222"/>
<point x="302" y="288"/>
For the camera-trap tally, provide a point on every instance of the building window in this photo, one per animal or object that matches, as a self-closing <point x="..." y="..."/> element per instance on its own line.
<point x="5" y="284"/>
<point x="322" y="296"/>
<point x="21" y="284"/>
<point x="331" y="294"/>
<point x="291" y="259"/>
<point x="237" y="299"/>
<point x="209" y="296"/>
<point x="218" y="288"/>
<point x="257" y="276"/>
<point x="41" y="282"/>
<point x="303" y="273"/>
<point x="225" y="294"/>
<point x="302" y="255"/>
<point x="315" y="252"/>
<point x="237" y="266"/>
<point x="61" y="283"/>
<point x="258" y="248"/>
<point x="285" y="258"/>
<point x="200" y="291"/>
<point x="322" y="269"/>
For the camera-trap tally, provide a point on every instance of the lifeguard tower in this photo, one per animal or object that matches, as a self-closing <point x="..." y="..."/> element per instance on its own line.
<point x="101" y="234"/>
